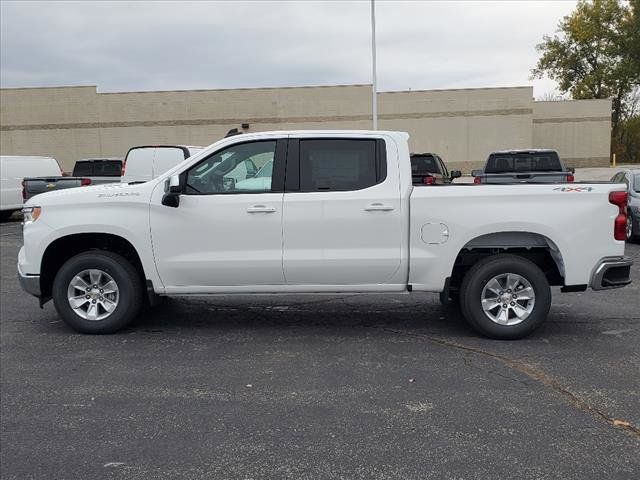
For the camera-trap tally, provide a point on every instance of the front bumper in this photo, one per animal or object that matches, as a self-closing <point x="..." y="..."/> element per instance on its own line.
<point x="30" y="283"/>
<point x="612" y="272"/>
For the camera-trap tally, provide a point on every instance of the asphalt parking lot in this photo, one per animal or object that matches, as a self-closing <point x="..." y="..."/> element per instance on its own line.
<point x="314" y="387"/>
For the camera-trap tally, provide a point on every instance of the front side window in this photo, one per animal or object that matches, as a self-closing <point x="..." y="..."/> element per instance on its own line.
<point x="233" y="170"/>
<point x="337" y="165"/>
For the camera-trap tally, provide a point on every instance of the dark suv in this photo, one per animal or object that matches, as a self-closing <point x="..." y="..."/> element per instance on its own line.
<point x="429" y="169"/>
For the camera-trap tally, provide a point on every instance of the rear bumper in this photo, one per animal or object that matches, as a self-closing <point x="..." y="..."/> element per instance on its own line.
<point x="612" y="272"/>
<point x="30" y="283"/>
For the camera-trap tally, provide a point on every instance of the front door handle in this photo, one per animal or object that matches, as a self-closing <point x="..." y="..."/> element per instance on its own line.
<point x="379" y="207"/>
<point x="260" y="209"/>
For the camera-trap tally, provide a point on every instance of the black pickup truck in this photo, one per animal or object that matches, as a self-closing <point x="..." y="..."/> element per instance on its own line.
<point x="89" y="171"/>
<point x="524" y="166"/>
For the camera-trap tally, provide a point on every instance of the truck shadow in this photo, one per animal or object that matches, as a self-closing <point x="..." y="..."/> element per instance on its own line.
<point x="338" y="312"/>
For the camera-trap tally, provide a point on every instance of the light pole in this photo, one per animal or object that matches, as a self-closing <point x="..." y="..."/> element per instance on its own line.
<point x="374" y="97"/>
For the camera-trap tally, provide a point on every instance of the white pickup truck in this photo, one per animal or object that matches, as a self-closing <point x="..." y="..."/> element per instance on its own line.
<point x="337" y="213"/>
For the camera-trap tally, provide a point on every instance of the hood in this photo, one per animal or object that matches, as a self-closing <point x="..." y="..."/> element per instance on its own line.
<point x="90" y="193"/>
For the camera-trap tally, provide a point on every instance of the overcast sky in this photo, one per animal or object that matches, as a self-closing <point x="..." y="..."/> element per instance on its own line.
<point x="145" y="45"/>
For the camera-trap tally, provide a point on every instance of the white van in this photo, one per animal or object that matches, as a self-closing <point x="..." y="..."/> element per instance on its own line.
<point x="146" y="162"/>
<point x="13" y="169"/>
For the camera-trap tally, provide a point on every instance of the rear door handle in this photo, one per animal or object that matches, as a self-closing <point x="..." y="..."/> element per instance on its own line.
<point x="260" y="209"/>
<point x="379" y="207"/>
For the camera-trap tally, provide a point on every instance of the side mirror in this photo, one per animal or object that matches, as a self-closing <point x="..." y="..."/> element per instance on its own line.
<point x="455" y="174"/>
<point x="174" y="184"/>
<point x="476" y="173"/>
<point x="172" y="197"/>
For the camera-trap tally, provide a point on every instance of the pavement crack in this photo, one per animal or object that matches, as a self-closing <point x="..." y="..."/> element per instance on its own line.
<point x="535" y="374"/>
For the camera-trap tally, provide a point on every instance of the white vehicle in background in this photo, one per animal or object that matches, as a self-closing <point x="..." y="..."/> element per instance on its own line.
<point x="332" y="211"/>
<point x="146" y="162"/>
<point x="13" y="169"/>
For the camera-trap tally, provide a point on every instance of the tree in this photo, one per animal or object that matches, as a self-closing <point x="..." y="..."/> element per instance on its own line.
<point x="596" y="54"/>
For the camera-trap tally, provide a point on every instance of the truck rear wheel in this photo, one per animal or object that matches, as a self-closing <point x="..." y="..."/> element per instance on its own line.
<point x="505" y="297"/>
<point x="97" y="292"/>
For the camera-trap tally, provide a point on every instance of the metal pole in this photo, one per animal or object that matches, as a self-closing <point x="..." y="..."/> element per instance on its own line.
<point x="374" y="99"/>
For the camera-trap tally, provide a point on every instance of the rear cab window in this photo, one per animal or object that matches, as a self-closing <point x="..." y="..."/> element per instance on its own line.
<point x="523" y="162"/>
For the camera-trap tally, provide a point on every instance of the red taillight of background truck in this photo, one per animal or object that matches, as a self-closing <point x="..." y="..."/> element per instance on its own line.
<point x="85" y="182"/>
<point x="428" y="180"/>
<point x="620" y="223"/>
<point x="477" y="180"/>
<point x="571" y="178"/>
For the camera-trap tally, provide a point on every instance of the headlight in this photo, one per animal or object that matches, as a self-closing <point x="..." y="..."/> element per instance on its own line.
<point x="30" y="214"/>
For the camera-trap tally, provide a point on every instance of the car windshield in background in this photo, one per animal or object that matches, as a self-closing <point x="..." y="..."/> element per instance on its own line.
<point x="523" y="162"/>
<point x="421" y="164"/>
<point x="636" y="182"/>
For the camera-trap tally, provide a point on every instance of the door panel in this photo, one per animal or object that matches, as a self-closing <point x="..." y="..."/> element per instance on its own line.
<point x="341" y="236"/>
<point x="214" y="240"/>
<point x="227" y="231"/>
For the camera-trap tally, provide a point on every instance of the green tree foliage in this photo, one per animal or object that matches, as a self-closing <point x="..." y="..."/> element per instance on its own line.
<point x="596" y="54"/>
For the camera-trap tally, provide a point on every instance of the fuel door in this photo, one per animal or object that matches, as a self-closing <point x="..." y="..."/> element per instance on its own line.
<point x="435" y="233"/>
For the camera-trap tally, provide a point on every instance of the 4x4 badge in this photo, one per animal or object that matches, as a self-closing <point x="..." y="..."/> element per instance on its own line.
<point x="574" y="189"/>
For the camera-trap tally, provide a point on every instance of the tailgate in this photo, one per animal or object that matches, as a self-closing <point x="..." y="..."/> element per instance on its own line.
<point x="526" y="177"/>
<point x="34" y="186"/>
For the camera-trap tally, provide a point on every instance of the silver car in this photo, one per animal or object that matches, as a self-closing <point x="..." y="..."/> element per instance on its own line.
<point x="631" y="178"/>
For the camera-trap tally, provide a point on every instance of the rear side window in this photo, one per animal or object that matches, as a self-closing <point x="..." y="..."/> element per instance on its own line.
<point x="338" y="165"/>
<point x="523" y="162"/>
<point x="82" y="169"/>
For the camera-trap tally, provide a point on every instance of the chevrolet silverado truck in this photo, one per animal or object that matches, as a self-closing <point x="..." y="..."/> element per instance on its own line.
<point x="338" y="213"/>
<point x="32" y="186"/>
<point x="524" y="166"/>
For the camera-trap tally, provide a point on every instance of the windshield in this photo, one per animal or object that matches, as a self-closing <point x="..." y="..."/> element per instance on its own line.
<point x="523" y="162"/>
<point x="636" y="182"/>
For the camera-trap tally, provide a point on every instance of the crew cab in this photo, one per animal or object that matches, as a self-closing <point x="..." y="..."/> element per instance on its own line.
<point x="333" y="211"/>
<point x="524" y="166"/>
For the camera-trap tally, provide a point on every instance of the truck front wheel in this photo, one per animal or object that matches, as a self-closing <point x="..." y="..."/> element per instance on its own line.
<point x="505" y="297"/>
<point x="97" y="292"/>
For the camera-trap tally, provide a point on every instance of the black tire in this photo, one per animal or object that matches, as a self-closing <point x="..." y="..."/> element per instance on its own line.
<point x="123" y="273"/>
<point x="481" y="273"/>
<point x="635" y="235"/>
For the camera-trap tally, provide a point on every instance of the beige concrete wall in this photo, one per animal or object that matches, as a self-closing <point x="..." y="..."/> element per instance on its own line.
<point x="462" y="125"/>
<point x="579" y="129"/>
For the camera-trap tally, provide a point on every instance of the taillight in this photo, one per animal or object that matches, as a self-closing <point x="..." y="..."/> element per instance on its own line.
<point x="428" y="180"/>
<point x="620" y="223"/>
<point x="124" y="165"/>
<point x="476" y="180"/>
<point x="571" y="178"/>
<point x="85" y="182"/>
<point x="24" y="191"/>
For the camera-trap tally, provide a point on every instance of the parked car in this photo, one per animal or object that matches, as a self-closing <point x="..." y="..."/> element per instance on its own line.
<point x="146" y="162"/>
<point x="524" y="166"/>
<point x="631" y="179"/>
<point x="340" y="214"/>
<point x="429" y="169"/>
<point x="99" y="170"/>
<point x="13" y="169"/>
